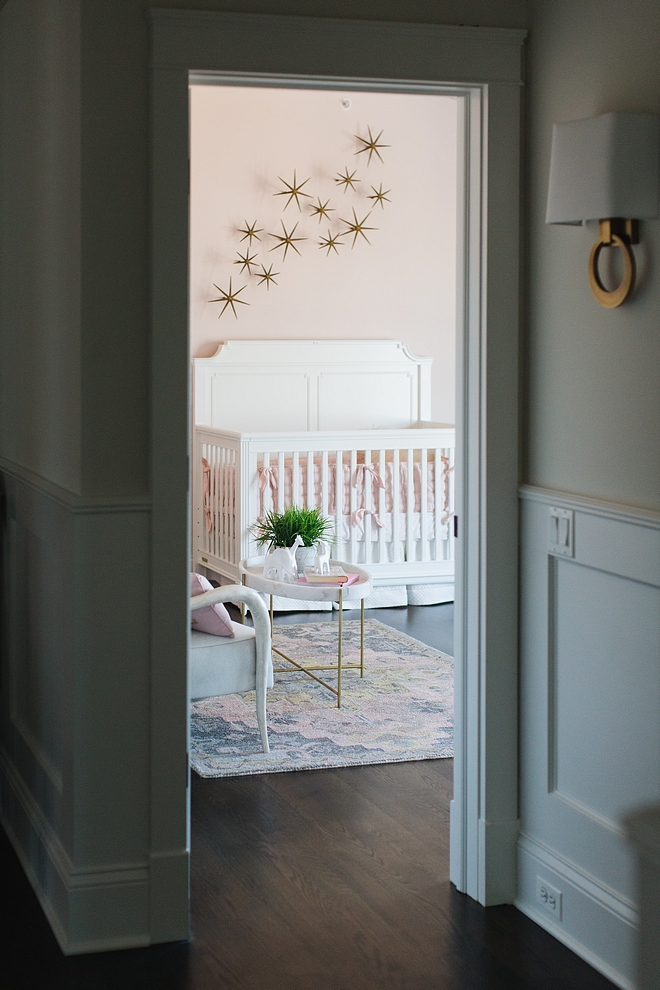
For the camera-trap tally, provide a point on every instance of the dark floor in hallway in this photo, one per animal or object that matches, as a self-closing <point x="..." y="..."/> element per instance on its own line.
<point x="321" y="880"/>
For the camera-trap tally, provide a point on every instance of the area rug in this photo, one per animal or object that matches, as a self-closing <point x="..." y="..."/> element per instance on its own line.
<point x="401" y="710"/>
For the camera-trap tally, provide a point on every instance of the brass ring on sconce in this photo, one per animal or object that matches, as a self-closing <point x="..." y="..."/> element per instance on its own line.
<point x="607" y="238"/>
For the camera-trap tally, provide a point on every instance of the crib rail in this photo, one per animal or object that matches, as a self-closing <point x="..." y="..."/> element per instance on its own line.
<point x="390" y="494"/>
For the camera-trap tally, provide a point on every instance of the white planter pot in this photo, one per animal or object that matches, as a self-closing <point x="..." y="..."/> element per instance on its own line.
<point x="305" y="557"/>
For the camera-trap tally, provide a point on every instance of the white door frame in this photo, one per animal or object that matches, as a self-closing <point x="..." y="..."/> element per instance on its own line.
<point x="481" y="66"/>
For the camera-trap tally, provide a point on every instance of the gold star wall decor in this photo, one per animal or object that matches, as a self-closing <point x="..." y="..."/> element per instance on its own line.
<point x="319" y="209"/>
<point x="293" y="190"/>
<point x="287" y="241"/>
<point x="330" y="243"/>
<point x="371" y="145"/>
<point x="357" y="227"/>
<point x="250" y="230"/>
<point x="246" y="260"/>
<point x="380" y="196"/>
<point x="267" y="275"/>
<point x="322" y="210"/>
<point x="347" y="180"/>
<point x="229" y="298"/>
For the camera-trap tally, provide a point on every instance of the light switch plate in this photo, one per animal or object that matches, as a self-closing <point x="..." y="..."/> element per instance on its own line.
<point x="561" y="535"/>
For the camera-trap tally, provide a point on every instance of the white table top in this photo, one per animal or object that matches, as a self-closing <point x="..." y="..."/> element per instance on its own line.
<point x="252" y="569"/>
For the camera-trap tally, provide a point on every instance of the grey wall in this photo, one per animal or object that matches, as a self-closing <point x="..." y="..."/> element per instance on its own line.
<point x="592" y="401"/>
<point x="590" y="626"/>
<point x="40" y="394"/>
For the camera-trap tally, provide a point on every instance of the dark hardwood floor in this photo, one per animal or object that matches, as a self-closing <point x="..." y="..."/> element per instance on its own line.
<point x="432" y="624"/>
<point x="318" y="880"/>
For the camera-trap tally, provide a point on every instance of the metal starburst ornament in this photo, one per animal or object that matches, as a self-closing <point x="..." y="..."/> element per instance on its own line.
<point x="267" y="275"/>
<point x="347" y="179"/>
<point x="293" y="190"/>
<point x="330" y="243"/>
<point x="246" y="260"/>
<point x="357" y="227"/>
<point x="250" y="230"/>
<point x="380" y="196"/>
<point x="288" y="240"/>
<point x="322" y="210"/>
<point x="229" y="298"/>
<point x="372" y="145"/>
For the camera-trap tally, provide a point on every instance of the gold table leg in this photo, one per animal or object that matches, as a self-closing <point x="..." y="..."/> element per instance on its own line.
<point x="243" y="603"/>
<point x="340" y="664"/>
<point x="339" y="636"/>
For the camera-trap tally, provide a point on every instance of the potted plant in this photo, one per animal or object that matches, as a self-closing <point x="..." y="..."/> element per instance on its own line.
<point x="279" y="529"/>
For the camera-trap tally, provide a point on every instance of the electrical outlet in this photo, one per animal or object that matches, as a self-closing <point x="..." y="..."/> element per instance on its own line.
<point x="549" y="898"/>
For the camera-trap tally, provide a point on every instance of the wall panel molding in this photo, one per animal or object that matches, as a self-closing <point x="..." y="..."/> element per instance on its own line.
<point x="73" y="678"/>
<point x="593" y="506"/>
<point x="80" y="504"/>
<point x="186" y="39"/>
<point x="64" y="890"/>
<point x="588" y="907"/>
<point x="590" y="725"/>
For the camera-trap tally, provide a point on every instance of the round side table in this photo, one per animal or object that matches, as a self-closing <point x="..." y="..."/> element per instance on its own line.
<point x="251" y="571"/>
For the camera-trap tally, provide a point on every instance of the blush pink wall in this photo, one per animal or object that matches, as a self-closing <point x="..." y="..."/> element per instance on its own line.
<point x="402" y="286"/>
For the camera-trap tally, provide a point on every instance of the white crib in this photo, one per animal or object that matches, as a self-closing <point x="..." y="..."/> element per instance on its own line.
<point x="400" y="531"/>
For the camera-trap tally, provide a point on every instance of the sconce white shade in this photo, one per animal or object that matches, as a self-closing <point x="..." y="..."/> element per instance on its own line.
<point x="605" y="166"/>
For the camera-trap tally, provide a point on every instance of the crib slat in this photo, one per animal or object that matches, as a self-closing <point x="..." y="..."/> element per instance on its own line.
<point x="367" y="520"/>
<point x="280" y="481"/>
<point x="339" y="492"/>
<point x="201" y="515"/>
<point x="217" y="498"/>
<point x="217" y="521"/>
<point x="423" y="503"/>
<point x="211" y="537"/>
<point x="311" y="495"/>
<point x="410" y="506"/>
<point x="233" y="506"/>
<point x="396" y="482"/>
<point x="223" y="502"/>
<point x="324" y="485"/>
<point x="439" y="499"/>
<point x="352" y="506"/>
<point x="451" y="453"/>
<point x="382" y="508"/>
<point x="295" y="478"/>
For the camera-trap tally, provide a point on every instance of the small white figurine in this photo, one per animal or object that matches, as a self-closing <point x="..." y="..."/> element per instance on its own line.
<point x="280" y="564"/>
<point x="322" y="558"/>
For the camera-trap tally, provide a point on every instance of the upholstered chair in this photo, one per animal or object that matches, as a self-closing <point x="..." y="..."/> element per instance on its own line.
<point x="224" y="665"/>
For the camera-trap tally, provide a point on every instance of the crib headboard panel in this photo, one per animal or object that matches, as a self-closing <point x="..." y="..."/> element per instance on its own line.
<point x="291" y="385"/>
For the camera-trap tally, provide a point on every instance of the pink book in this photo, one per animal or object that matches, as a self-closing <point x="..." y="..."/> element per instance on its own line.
<point x="318" y="580"/>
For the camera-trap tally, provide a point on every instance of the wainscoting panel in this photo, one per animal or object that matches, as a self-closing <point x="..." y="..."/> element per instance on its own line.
<point x="590" y="717"/>
<point x="75" y="708"/>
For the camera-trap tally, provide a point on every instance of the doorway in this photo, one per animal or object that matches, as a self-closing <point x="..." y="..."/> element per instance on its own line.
<point x="266" y="160"/>
<point x="484" y="819"/>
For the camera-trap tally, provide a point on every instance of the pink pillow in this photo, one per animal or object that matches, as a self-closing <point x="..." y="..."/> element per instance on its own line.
<point x="213" y="619"/>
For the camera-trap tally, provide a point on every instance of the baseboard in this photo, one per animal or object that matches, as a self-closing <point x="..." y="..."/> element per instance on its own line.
<point x="595" y="923"/>
<point x="98" y="908"/>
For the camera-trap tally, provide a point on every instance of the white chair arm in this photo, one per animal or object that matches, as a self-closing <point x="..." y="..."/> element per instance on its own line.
<point x="229" y="593"/>
<point x="258" y="610"/>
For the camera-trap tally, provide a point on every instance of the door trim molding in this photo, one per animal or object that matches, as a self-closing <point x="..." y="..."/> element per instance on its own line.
<point x="483" y="65"/>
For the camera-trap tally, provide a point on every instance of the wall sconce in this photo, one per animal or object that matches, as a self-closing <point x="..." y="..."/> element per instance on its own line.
<point x="606" y="168"/>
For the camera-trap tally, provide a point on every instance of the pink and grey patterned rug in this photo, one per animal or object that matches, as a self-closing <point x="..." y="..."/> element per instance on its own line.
<point x="401" y="710"/>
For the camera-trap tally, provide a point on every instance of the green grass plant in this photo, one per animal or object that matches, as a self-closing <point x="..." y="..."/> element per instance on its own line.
<point x="279" y="529"/>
